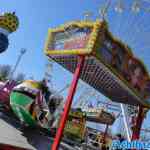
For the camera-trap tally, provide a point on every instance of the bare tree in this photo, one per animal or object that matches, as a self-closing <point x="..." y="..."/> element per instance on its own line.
<point x="5" y="71"/>
<point x="20" y="77"/>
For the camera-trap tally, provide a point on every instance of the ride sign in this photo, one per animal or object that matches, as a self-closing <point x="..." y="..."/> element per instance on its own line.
<point x="76" y="43"/>
<point x="75" y="38"/>
<point x="71" y="39"/>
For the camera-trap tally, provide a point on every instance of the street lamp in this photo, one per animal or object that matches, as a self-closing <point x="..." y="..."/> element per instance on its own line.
<point x="136" y="6"/>
<point x="22" y="52"/>
<point x="119" y="6"/>
<point x="103" y="11"/>
<point x="87" y="15"/>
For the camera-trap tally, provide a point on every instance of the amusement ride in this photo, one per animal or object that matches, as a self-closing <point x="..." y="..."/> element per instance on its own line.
<point x="91" y="52"/>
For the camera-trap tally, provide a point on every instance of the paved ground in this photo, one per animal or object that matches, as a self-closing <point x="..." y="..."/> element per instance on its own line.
<point x="12" y="133"/>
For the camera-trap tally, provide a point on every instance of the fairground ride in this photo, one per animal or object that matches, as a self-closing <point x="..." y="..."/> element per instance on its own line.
<point x="90" y="51"/>
<point x="9" y="23"/>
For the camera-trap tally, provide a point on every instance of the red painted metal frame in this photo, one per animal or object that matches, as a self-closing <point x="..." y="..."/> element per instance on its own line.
<point x="8" y="147"/>
<point x="68" y="103"/>
<point x="138" y="126"/>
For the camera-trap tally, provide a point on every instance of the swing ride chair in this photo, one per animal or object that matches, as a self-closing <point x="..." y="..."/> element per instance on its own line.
<point x="109" y="66"/>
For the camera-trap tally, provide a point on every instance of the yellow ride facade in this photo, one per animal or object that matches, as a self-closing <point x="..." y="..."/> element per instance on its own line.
<point x="110" y="66"/>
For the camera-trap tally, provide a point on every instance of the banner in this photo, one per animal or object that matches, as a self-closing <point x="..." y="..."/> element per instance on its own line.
<point x="73" y="38"/>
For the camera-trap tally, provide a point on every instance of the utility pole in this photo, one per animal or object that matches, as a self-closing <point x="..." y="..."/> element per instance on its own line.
<point x="48" y="72"/>
<point x="87" y="15"/>
<point x="125" y="123"/>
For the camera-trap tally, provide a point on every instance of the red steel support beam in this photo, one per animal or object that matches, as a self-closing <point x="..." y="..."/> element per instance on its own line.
<point x="8" y="147"/>
<point x="138" y="125"/>
<point x="68" y="103"/>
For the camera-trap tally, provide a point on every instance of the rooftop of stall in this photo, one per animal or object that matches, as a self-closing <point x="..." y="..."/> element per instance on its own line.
<point x="100" y="116"/>
<point x="65" y="43"/>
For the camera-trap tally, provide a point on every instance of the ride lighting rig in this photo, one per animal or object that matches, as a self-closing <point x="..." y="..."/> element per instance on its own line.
<point x="9" y="23"/>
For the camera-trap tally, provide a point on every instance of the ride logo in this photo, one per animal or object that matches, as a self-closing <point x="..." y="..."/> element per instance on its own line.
<point x="130" y="145"/>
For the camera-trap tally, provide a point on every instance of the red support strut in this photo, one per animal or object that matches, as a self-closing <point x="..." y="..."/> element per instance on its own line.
<point x="139" y="121"/>
<point x="68" y="103"/>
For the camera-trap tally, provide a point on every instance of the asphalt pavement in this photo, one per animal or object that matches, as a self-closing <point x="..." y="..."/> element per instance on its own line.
<point x="13" y="133"/>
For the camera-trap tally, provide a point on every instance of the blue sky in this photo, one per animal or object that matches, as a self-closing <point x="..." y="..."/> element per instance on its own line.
<point x="37" y="16"/>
